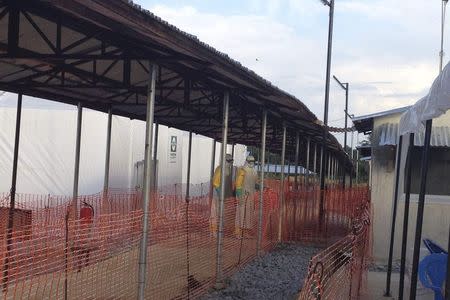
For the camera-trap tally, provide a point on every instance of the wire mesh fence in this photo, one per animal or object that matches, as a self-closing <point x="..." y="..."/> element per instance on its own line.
<point x="49" y="254"/>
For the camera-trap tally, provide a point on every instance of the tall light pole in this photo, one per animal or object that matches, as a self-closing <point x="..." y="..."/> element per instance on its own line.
<point x="330" y="4"/>
<point x="345" y="87"/>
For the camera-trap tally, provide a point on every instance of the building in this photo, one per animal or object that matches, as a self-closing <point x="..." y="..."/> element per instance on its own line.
<point x="382" y="129"/>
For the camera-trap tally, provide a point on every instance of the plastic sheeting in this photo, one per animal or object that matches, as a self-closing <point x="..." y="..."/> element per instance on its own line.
<point x="433" y="105"/>
<point x="47" y="152"/>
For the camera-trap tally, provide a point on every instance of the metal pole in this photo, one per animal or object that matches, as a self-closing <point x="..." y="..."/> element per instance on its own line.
<point x="308" y="146"/>
<point x="76" y="172"/>
<point x="420" y="208"/>
<point x="423" y="174"/>
<point x="447" y="281"/>
<point x="297" y="152"/>
<point x="327" y="97"/>
<point x="12" y="200"/>
<point x="405" y="216"/>
<point x="261" y="183"/>
<point x="346" y="112"/>
<point x="107" y="163"/>
<point x="187" y="199"/>
<point x="315" y="163"/>
<point x="188" y="179"/>
<point x="213" y="164"/>
<point x="283" y="157"/>
<point x="155" y="157"/>
<point x="232" y="151"/>
<point x="223" y="152"/>
<point x="394" y="216"/>
<point x="147" y="186"/>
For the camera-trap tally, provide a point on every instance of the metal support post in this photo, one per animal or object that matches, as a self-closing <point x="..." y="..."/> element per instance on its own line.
<point x="155" y="158"/>
<point x="147" y="186"/>
<point x="76" y="171"/>
<point x="447" y="280"/>
<point x="281" y="209"/>
<point x="420" y="208"/>
<point x="406" y="216"/>
<point x="394" y="216"/>
<point x="232" y="150"/>
<point x="261" y="184"/>
<point x="297" y="152"/>
<point x="213" y="164"/>
<point x="315" y="163"/>
<point x="107" y="163"/>
<point x="308" y="146"/>
<point x="322" y="185"/>
<point x="188" y="175"/>
<point x="223" y="152"/>
<point x="12" y="194"/>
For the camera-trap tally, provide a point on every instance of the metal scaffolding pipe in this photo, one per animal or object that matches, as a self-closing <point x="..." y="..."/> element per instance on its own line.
<point x="223" y="152"/>
<point x="308" y="146"/>
<point x="147" y="173"/>
<point x="76" y="172"/>
<point x="188" y="175"/>
<point x="297" y="152"/>
<point x="261" y="184"/>
<point x="213" y="164"/>
<point x="394" y="216"/>
<point x="406" y="216"/>
<point x="420" y="208"/>
<point x="12" y="193"/>
<point x="315" y="163"/>
<point x="283" y="157"/>
<point x="107" y="163"/>
<point x="155" y="157"/>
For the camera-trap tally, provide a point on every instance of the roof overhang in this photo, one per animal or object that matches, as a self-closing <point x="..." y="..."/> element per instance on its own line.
<point x="97" y="53"/>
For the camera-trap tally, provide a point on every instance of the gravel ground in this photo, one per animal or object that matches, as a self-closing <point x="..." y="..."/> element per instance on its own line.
<point x="277" y="275"/>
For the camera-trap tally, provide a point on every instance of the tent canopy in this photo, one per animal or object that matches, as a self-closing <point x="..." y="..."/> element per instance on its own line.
<point x="433" y="105"/>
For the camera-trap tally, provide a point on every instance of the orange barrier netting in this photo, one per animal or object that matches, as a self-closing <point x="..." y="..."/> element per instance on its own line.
<point x="340" y="271"/>
<point x="51" y="256"/>
<point x="302" y="213"/>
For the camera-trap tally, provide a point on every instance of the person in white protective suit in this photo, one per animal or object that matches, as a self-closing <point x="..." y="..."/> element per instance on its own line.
<point x="230" y="174"/>
<point x="246" y="185"/>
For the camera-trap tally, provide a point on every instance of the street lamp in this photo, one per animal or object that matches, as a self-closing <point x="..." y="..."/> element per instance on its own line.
<point x="345" y="87"/>
<point x="330" y="4"/>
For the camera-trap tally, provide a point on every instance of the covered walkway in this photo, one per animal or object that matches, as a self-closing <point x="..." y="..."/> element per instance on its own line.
<point x="114" y="57"/>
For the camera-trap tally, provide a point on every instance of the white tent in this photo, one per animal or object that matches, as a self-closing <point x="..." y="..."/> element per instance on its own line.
<point x="47" y="151"/>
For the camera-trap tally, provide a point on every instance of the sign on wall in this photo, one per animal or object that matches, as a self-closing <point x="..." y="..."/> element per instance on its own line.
<point x="173" y="149"/>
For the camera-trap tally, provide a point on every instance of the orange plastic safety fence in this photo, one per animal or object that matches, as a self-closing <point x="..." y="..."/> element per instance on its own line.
<point x="50" y="255"/>
<point x="339" y="272"/>
<point x="305" y="221"/>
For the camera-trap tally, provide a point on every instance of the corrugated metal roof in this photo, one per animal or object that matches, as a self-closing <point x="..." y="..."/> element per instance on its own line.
<point x="387" y="135"/>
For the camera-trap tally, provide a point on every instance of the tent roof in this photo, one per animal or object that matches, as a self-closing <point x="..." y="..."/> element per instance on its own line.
<point x="97" y="51"/>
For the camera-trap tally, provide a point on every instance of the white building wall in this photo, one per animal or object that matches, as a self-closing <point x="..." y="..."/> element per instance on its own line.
<point x="437" y="208"/>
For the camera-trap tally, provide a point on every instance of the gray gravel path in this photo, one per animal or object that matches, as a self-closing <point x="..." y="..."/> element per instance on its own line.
<point x="277" y="275"/>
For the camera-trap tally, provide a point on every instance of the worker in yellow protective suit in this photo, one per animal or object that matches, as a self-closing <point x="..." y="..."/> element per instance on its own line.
<point x="230" y="174"/>
<point x="246" y="185"/>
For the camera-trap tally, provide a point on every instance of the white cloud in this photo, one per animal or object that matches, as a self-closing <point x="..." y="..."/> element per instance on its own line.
<point x="390" y="61"/>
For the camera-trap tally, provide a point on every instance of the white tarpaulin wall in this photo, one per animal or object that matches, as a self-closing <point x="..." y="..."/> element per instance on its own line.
<point x="433" y="105"/>
<point x="47" y="151"/>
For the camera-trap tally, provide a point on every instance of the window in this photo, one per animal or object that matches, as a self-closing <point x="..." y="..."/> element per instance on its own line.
<point x="438" y="179"/>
